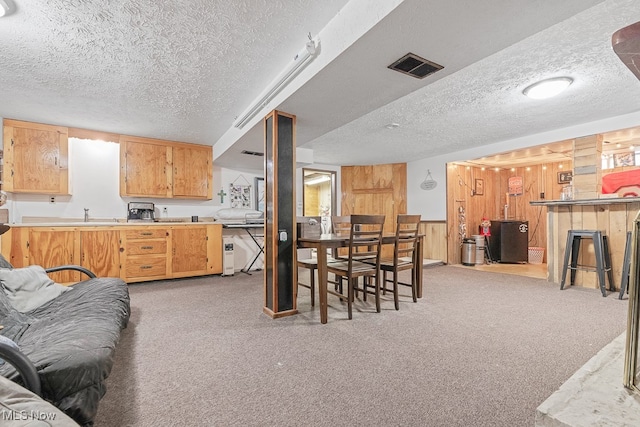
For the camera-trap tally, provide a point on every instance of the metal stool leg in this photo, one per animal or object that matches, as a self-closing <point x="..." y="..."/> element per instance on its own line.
<point x="624" y="281"/>
<point x="575" y="251"/>
<point x="607" y="262"/>
<point x="565" y="265"/>
<point x="597" y="246"/>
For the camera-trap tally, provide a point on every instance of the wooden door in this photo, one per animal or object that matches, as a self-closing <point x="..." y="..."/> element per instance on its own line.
<point x="376" y="190"/>
<point x="192" y="172"/>
<point x="100" y="252"/>
<point x="143" y="168"/>
<point x="188" y="251"/>
<point x="54" y="248"/>
<point x="36" y="158"/>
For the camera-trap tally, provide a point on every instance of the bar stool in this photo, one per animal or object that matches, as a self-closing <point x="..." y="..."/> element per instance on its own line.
<point x="626" y="267"/>
<point x="603" y="257"/>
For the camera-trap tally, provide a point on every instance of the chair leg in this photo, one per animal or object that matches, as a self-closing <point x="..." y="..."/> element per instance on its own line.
<point x="597" y="246"/>
<point x="395" y="290"/>
<point x="377" y="291"/>
<point x="349" y="297"/>
<point x="607" y="262"/>
<point x="384" y="282"/>
<point x="575" y="251"/>
<point x="414" y="285"/>
<point x="312" y="285"/>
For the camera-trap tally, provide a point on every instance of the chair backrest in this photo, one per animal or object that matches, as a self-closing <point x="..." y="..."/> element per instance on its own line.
<point x="365" y="237"/>
<point x="406" y="237"/>
<point x="340" y="224"/>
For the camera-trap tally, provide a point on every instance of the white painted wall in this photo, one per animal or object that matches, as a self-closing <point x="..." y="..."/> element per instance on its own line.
<point x="432" y="204"/>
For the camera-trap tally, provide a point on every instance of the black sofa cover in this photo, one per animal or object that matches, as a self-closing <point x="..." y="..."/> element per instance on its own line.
<point x="71" y="341"/>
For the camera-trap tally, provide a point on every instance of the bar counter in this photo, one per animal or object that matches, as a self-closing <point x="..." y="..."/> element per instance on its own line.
<point x="613" y="216"/>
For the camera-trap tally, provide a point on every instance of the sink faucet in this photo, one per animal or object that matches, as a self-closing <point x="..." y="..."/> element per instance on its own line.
<point x="86" y="214"/>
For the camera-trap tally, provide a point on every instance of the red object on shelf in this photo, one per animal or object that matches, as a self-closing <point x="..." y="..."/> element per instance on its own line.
<point x="484" y="227"/>
<point x="613" y="182"/>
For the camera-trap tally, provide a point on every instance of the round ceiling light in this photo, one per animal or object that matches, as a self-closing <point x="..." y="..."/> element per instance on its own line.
<point x="547" y="88"/>
<point x="5" y="8"/>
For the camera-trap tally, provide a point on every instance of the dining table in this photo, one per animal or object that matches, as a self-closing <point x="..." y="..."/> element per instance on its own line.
<point x="324" y="242"/>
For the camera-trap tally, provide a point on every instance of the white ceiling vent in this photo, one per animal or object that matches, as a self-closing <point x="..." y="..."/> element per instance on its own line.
<point x="252" y="153"/>
<point x="415" y="66"/>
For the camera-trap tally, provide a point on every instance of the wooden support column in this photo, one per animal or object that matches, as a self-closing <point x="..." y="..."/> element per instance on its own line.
<point x="280" y="272"/>
<point x="587" y="167"/>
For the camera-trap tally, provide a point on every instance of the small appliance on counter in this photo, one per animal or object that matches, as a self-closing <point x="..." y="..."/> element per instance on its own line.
<point x="140" y="212"/>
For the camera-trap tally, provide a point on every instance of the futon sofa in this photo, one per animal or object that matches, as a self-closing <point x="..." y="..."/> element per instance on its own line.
<point x="70" y="340"/>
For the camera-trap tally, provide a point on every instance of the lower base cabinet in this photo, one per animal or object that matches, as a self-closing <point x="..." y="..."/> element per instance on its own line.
<point x="133" y="253"/>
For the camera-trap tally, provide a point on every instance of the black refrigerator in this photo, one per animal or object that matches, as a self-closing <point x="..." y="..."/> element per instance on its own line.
<point x="509" y="241"/>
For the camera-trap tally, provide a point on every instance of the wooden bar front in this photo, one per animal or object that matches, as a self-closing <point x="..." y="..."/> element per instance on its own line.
<point x="614" y="217"/>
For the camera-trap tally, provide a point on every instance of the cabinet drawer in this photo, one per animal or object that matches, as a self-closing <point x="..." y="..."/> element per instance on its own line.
<point x="145" y="234"/>
<point x="140" y="247"/>
<point x="146" y="267"/>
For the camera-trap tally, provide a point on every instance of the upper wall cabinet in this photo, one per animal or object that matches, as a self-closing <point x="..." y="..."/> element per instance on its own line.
<point x="35" y="158"/>
<point x="165" y="169"/>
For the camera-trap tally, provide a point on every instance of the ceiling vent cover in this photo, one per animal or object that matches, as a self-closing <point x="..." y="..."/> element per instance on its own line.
<point x="415" y="66"/>
<point x="252" y="153"/>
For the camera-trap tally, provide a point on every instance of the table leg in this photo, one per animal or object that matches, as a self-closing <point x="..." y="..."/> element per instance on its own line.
<point x="255" y="258"/>
<point x="418" y="269"/>
<point x="323" y="274"/>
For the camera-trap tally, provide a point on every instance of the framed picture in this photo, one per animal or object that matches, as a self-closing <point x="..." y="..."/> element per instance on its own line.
<point x="478" y="188"/>
<point x="624" y="159"/>
<point x="565" y="177"/>
<point x="259" y="202"/>
<point x="515" y="184"/>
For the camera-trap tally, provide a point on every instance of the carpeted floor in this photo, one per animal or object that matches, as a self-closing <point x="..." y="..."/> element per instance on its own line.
<point x="480" y="349"/>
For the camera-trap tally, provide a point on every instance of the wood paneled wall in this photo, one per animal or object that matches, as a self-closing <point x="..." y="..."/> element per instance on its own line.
<point x="435" y="240"/>
<point x="462" y="193"/>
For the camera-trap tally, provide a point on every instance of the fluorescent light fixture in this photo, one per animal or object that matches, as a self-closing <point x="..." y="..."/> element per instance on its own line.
<point x="4" y="8"/>
<point x="306" y="54"/>
<point x="547" y="88"/>
<point x="318" y="180"/>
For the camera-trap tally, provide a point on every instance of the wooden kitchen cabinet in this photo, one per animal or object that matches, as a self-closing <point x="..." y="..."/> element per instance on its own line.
<point x="188" y="251"/>
<point x="35" y="158"/>
<point x="133" y="253"/>
<point x="144" y="254"/>
<point x="214" y="249"/>
<point x="100" y="252"/>
<point x="165" y="169"/>
<point x="144" y="167"/>
<point x="52" y="248"/>
<point x="192" y="171"/>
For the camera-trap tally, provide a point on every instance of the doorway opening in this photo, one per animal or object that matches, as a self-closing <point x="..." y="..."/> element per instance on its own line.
<point x="319" y="195"/>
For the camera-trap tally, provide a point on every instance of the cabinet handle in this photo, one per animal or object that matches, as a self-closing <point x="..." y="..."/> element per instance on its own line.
<point x="146" y="234"/>
<point x="146" y="247"/>
<point x="145" y="267"/>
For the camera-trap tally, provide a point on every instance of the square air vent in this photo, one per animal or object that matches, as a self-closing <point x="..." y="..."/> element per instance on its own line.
<point x="252" y="153"/>
<point x="415" y="66"/>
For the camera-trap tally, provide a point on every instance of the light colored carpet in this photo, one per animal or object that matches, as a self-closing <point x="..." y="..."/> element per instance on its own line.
<point x="480" y="349"/>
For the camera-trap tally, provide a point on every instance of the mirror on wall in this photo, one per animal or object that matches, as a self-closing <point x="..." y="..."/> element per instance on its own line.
<point x="319" y="195"/>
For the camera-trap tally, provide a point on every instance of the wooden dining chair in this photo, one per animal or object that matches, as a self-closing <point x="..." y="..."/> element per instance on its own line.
<point x="405" y="256"/>
<point x="309" y="262"/>
<point x="365" y="240"/>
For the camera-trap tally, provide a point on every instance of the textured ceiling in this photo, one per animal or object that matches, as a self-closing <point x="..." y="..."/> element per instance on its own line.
<point x="182" y="70"/>
<point x="177" y="69"/>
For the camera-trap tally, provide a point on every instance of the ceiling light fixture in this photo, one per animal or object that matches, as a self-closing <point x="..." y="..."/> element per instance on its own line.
<point x="5" y="8"/>
<point x="547" y="88"/>
<point x="392" y="126"/>
<point x="306" y="54"/>
<point x="318" y="180"/>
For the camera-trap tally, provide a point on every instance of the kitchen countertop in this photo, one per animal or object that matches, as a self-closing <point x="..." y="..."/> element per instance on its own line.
<point x="592" y="202"/>
<point x="108" y="224"/>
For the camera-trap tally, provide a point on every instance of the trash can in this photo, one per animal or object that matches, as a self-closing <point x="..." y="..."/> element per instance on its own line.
<point x="479" y="248"/>
<point x="469" y="252"/>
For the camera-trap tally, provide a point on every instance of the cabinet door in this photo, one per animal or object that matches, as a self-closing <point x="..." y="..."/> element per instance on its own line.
<point x="100" y="252"/>
<point x="143" y="168"/>
<point x="189" y="251"/>
<point x="52" y="249"/>
<point x="192" y="172"/>
<point x="36" y="158"/>
<point x="214" y="249"/>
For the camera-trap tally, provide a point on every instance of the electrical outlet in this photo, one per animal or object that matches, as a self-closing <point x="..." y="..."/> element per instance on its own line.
<point x="164" y="210"/>
<point x="52" y="199"/>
